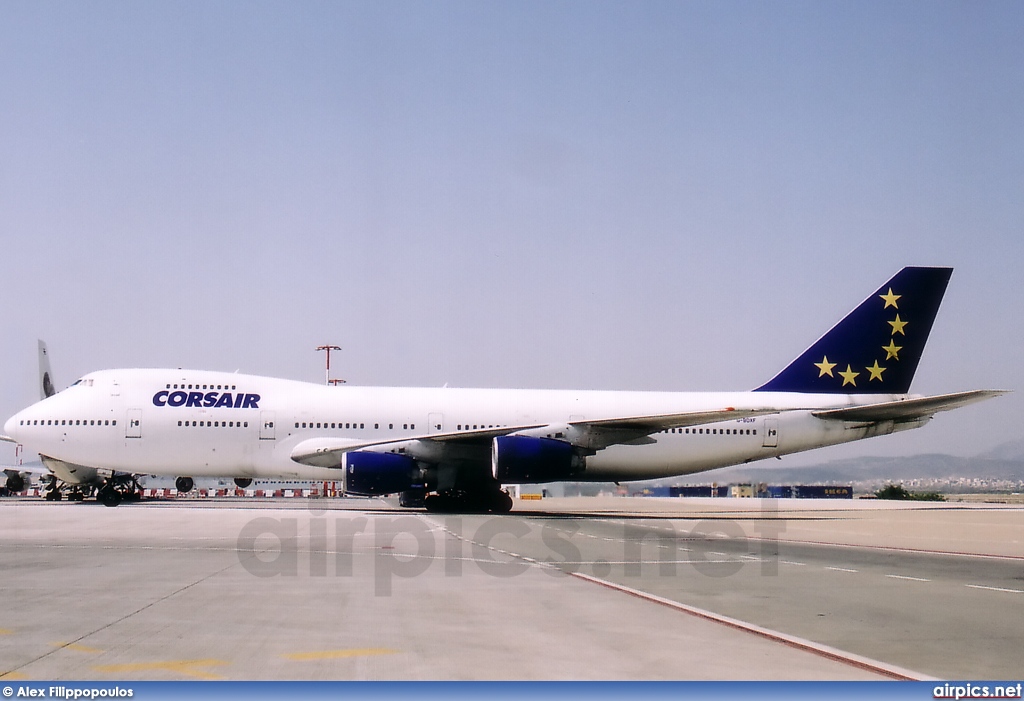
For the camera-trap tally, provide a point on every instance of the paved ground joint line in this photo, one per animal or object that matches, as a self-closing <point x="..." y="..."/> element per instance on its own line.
<point x="123" y="618"/>
<point x="864" y="663"/>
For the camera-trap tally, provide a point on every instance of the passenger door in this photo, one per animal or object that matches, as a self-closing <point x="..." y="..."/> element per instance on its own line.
<point x="133" y="426"/>
<point x="267" y="431"/>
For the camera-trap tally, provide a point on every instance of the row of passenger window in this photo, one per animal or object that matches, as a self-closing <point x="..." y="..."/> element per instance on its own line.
<point x="69" y="422"/>
<point x="714" y="431"/>
<point x="405" y="427"/>
<point x="216" y="424"/>
<point x="198" y="386"/>
<point x="349" y="424"/>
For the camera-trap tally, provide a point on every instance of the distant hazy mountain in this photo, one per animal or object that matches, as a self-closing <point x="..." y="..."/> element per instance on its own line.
<point x="1012" y="450"/>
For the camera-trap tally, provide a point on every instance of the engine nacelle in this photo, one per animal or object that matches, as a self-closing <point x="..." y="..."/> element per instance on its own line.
<point x="243" y="482"/>
<point x="184" y="484"/>
<point x="15" y="482"/>
<point x="374" y="474"/>
<point x="525" y="459"/>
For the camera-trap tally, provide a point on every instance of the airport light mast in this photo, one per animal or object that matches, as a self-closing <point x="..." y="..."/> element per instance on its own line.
<point x="329" y="348"/>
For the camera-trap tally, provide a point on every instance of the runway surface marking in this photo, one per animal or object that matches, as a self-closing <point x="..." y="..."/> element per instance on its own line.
<point x="76" y="647"/>
<point x="337" y="654"/>
<point x="836" y="655"/>
<point x="840" y="569"/>
<point x="831" y="653"/>
<point x="916" y="551"/>
<point x="911" y="579"/>
<point x="1008" y="591"/>
<point x="125" y="617"/>
<point x="188" y="668"/>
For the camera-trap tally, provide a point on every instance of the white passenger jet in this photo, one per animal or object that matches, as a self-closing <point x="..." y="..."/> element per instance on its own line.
<point x="19" y="477"/>
<point x="453" y="449"/>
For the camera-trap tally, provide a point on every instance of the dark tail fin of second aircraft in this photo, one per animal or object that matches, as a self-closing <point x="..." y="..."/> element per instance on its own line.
<point x="876" y="348"/>
<point x="46" y="388"/>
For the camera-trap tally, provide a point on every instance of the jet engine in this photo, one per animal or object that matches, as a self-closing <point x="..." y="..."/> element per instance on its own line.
<point x="15" y="482"/>
<point x="525" y="459"/>
<point x="374" y="474"/>
<point x="243" y="482"/>
<point x="184" y="484"/>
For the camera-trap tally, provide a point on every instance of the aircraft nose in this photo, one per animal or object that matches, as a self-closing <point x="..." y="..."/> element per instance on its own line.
<point x="9" y="426"/>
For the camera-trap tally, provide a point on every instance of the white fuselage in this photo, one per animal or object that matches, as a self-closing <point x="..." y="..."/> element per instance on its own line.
<point x="206" y="423"/>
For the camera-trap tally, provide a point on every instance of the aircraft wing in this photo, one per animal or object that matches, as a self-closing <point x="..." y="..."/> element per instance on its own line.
<point x="660" y="422"/>
<point x="592" y="434"/>
<point x="327" y="452"/>
<point x="909" y="409"/>
<point x="7" y="439"/>
<point x="36" y="469"/>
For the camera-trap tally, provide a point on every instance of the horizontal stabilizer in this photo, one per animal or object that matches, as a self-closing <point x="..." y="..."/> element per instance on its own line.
<point x="909" y="409"/>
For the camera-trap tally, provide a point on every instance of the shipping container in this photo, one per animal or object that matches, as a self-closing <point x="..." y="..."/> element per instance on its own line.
<point x="819" y="491"/>
<point x="700" y="491"/>
<point x="654" y="492"/>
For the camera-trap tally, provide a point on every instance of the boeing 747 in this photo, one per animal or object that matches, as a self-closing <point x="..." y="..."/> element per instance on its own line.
<point x="453" y="449"/>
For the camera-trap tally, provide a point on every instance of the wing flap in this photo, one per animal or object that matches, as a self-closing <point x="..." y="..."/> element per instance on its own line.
<point x="660" y="422"/>
<point x="909" y="409"/>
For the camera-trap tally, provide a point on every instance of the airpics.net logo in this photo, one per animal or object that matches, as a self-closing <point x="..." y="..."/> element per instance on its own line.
<point x="389" y="548"/>
<point x="961" y="690"/>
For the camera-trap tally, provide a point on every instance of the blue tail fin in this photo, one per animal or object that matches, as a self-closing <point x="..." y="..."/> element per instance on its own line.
<point x="876" y="348"/>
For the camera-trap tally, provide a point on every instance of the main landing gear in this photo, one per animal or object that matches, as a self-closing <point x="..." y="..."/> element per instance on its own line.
<point x="459" y="501"/>
<point x="117" y="489"/>
<point x="55" y="490"/>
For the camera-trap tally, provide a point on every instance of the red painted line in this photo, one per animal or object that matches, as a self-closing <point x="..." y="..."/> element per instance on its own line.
<point x="825" y="651"/>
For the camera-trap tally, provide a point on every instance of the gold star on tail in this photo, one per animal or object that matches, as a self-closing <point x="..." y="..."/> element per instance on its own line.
<point x="849" y="377"/>
<point x="892" y="351"/>
<point x="897" y="326"/>
<point x="876" y="372"/>
<point x="825" y="367"/>
<point x="890" y="299"/>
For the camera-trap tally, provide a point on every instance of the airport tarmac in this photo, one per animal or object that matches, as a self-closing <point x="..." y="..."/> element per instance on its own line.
<point x="589" y="588"/>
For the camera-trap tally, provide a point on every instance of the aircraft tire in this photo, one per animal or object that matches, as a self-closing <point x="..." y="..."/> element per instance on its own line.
<point x="502" y="503"/>
<point x="109" y="496"/>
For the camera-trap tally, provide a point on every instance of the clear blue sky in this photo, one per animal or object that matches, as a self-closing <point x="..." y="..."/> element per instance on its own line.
<point x="622" y="195"/>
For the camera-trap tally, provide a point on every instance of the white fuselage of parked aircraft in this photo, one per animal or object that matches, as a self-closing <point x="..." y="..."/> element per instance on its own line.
<point x="138" y="421"/>
<point x="452" y="449"/>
